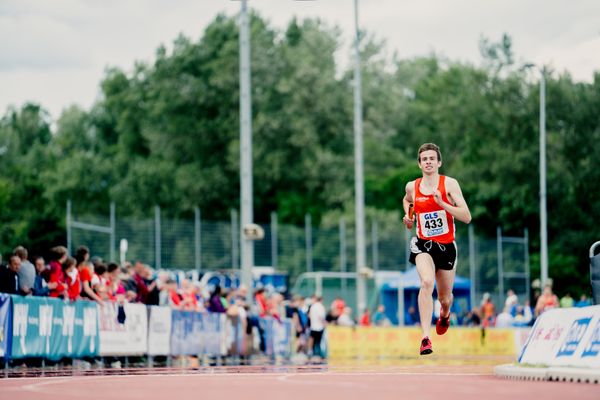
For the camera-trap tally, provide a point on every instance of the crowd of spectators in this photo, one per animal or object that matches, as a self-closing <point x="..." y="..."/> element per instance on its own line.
<point x="77" y="276"/>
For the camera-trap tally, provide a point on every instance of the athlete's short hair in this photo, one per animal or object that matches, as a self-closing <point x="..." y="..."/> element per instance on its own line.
<point x="429" y="146"/>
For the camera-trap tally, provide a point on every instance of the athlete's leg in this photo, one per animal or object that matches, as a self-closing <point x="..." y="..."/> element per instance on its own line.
<point x="444" y="284"/>
<point x="426" y="271"/>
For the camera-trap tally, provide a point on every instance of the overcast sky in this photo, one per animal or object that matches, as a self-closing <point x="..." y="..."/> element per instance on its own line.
<point x="54" y="52"/>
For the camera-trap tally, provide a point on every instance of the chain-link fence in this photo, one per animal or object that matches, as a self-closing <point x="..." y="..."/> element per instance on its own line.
<point x="494" y="265"/>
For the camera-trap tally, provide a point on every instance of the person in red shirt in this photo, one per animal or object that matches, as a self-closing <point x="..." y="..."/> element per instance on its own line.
<point x="57" y="277"/>
<point x="433" y="202"/>
<point x="365" y="319"/>
<point x="71" y="276"/>
<point x="82" y="255"/>
<point x="261" y="302"/>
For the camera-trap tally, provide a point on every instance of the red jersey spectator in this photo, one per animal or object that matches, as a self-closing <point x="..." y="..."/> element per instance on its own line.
<point x="337" y="306"/>
<point x="71" y="275"/>
<point x="261" y="302"/>
<point x="365" y="319"/>
<point x="59" y="256"/>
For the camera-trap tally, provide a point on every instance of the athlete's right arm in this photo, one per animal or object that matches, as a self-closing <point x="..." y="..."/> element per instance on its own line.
<point x="406" y="202"/>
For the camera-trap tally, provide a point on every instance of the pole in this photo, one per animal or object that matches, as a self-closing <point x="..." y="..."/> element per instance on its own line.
<point x="235" y="236"/>
<point x="157" y="241"/>
<point x="197" y="240"/>
<point x="343" y="266"/>
<point x="361" y="287"/>
<point x="528" y="276"/>
<point x="69" y="238"/>
<point x="247" y="248"/>
<point x="500" y="263"/>
<point x="308" y="242"/>
<point x="274" y="245"/>
<point x="113" y="230"/>
<point x="543" y="213"/>
<point x="472" y="275"/>
<point x="375" y="245"/>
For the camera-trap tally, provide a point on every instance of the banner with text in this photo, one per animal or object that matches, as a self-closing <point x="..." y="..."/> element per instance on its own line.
<point x="5" y="325"/>
<point x="52" y="328"/>
<point x="123" y="329"/>
<point x="392" y="342"/>
<point x="159" y="331"/>
<point x="565" y="337"/>
<point x="186" y="333"/>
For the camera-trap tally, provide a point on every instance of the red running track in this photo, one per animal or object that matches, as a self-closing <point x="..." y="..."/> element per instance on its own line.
<point x="422" y="382"/>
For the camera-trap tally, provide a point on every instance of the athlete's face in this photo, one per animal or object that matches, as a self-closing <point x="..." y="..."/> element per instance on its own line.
<point x="428" y="162"/>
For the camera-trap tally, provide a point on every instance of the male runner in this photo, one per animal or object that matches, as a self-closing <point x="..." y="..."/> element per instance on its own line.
<point x="437" y="201"/>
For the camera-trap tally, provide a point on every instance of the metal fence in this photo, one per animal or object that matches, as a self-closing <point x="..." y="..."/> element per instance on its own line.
<point x="493" y="264"/>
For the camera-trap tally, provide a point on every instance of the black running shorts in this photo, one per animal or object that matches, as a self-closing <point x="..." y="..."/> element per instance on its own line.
<point x="444" y="255"/>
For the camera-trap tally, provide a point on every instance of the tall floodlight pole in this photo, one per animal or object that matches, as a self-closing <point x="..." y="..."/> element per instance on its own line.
<point x="543" y="213"/>
<point x="359" y="195"/>
<point x="247" y="250"/>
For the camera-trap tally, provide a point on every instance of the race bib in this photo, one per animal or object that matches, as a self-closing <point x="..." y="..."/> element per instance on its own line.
<point x="433" y="223"/>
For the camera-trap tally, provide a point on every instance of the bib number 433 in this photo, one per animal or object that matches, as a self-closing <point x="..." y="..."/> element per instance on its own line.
<point x="433" y="223"/>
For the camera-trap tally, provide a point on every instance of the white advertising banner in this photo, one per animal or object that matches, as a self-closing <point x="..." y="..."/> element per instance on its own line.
<point x="565" y="337"/>
<point x="159" y="331"/>
<point x="123" y="329"/>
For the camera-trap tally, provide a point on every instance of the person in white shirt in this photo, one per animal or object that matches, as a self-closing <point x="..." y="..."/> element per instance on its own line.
<point x="346" y="318"/>
<point x="316" y="316"/>
<point x="511" y="303"/>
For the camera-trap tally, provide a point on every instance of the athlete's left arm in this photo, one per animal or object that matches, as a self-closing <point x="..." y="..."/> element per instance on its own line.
<point x="459" y="209"/>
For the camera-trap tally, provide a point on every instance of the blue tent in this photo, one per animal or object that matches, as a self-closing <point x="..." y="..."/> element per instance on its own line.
<point x="410" y="283"/>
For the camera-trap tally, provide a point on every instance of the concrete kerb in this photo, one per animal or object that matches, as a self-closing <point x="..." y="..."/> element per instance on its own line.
<point x="556" y="374"/>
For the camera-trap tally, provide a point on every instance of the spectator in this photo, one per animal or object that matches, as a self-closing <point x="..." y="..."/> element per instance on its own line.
<point x="214" y="303"/>
<point x="174" y="299"/>
<point x="71" y="275"/>
<point x="567" y="301"/>
<point x="365" y="319"/>
<point x="488" y="311"/>
<point x="337" y="307"/>
<point x="9" y="276"/>
<point x="316" y="316"/>
<point x="86" y="275"/>
<point x="261" y="302"/>
<point x="512" y="301"/>
<point x="546" y="301"/>
<point x="346" y="318"/>
<point x="99" y="281"/>
<point x="504" y="319"/>
<point x="129" y="283"/>
<point x="379" y="317"/>
<point x="523" y="315"/>
<point x="115" y="286"/>
<point x="300" y="323"/>
<point x="583" y="301"/>
<point x="139" y="277"/>
<point x="40" y="286"/>
<point x="412" y="317"/>
<point x="152" y="299"/>
<point x="188" y="295"/>
<point x="472" y="318"/>
<point x="275" y="304"/>
<point x="26" y="272"/>
<point x="59" y="256"/>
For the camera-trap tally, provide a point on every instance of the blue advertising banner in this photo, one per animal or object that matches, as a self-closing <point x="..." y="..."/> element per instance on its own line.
<point x="212" y="335"/>
<point x="278" y="336"/>
<point x="52" y="328"/>
<point x="5" y="325"/>
<point x="186" y="333"/>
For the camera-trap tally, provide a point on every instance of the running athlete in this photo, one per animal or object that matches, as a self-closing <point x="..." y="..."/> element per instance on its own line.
<point x="436" y="200"/>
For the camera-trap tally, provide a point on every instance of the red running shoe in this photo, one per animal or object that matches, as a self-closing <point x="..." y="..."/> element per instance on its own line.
<point x="426" y="346"/>
<point x="442" y="325"/>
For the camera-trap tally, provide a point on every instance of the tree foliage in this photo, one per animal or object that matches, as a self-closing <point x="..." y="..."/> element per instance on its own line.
<point x="167" y="133"/>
